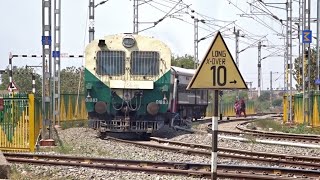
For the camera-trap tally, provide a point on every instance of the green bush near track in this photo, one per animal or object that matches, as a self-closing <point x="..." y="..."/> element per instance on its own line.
<point x="266" y="124"/>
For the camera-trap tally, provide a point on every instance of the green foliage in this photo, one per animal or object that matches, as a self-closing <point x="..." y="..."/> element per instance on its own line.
<point x="278" y="126"/>
<point x="231" y="96"/>
<point x="70" y="78"/>
<point x="277" y="102"/>
<point x="265" y="96"/>
<point x="22" y="78"/>
<point x="313" y="64"/>
<point x="262" y="106"/>
<point x="186" y="61"/>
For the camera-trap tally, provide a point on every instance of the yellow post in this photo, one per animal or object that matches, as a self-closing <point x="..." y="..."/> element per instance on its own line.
<point x="31" y="123"/>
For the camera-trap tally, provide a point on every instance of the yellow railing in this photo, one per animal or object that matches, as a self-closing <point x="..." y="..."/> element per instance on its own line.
<point x="17" y="123"/>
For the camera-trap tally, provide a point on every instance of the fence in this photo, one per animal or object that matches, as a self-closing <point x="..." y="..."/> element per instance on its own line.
<point x="297" y="105"/>
<point x="21" y="119"/>
<point x="227" y="109"/>
<point x="18" y="130"/>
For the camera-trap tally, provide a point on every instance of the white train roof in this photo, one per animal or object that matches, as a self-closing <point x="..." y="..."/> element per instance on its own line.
<point x="183" y="71"/>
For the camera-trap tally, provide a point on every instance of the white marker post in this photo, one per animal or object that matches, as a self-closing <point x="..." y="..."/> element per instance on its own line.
<point x="214" y="155"/>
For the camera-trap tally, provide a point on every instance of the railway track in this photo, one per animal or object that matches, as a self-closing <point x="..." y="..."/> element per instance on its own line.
<point x="278" y="135"/>
<point x="282" y="160"/>
<point x="302" y="138"/>
<point x="176" y="168"/>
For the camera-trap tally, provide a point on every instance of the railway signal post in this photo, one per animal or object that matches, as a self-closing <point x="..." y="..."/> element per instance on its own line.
<point x="217" y="71"/>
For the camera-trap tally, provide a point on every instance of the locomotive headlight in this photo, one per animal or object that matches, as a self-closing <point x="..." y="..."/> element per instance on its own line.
<point x="128" y="41"/>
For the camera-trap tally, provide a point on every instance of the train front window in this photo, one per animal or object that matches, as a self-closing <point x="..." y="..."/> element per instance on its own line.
<point x="110" y="63"/>
<point x="144" y="63"/>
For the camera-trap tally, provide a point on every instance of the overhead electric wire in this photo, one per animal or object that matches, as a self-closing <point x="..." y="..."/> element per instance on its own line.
<point x="262" y="23"/>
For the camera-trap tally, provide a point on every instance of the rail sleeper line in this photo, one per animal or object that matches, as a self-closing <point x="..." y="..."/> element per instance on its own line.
<point x="188" y="169"/>
<point x="280" y="159"/>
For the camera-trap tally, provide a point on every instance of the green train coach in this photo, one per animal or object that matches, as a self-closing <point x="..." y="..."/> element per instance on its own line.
<point x="131" y="86"/>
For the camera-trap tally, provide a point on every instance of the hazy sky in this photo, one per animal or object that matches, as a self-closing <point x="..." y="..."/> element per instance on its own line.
<point x="21" y="30"/>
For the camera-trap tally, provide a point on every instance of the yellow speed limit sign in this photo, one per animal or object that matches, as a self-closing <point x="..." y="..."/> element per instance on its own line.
<point x="217" y="70"/>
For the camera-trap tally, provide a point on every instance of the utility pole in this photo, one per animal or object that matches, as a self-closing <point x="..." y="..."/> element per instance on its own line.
<point x="303" y="27"/>
<point x="306" y="26"/>
<point x="196" y="39"/>
<point x="289" y="32"/>
<point x="308" y="12"/>
<point x="56" y="58"/>
<point x="259" y="68"/>
<point x="196" y="60"/>
<point x="288" y="62"/>
<point x="237" y="34"/>
<point x="135" y="17"/>
<point x="91" y="20"/>
<point x="250" y="89"/>
<point x="271" y="90"/>
<point x="318" y="51"/>
<point x="46" y="72"/>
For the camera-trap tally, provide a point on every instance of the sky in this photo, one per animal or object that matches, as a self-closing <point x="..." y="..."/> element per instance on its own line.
<point x="21" y="30"/>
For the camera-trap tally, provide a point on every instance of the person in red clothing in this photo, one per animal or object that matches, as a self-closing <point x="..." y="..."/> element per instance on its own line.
<point x="237" y="108"/>
<point x="243" y="108"/>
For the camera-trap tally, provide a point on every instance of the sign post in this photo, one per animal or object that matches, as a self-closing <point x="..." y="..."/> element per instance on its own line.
<point x="217" y="71"/>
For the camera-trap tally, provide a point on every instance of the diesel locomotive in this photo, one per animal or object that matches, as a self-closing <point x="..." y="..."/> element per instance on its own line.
<point x="131" y="86"/>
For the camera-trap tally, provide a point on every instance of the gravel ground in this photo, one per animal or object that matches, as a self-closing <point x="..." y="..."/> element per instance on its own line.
<point x="83" y="142"/>
<point x="67" y="173"/>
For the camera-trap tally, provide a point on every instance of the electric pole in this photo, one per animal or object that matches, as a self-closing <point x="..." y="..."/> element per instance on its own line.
<point x="237" y="34"/>
<point x="318" y="51"/>
<point x="259" y="68"/>
<point x="271" y="90"/>
<point x="135" y="17"/>
<point x="91" y="20"/>
<point x="289" y="54"/>
<point x="46" y="72"/>
<point x="307" y="62"/>
<point x="56" y="59"/>
<point x="196" y="60"/>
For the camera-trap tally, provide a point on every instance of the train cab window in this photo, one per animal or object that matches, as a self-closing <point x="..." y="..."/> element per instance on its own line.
<point x="145" y="63"/>
<point x="110" y="63"/>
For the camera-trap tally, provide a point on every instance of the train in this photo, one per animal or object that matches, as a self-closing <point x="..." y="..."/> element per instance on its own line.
<point x="132" y="88"/>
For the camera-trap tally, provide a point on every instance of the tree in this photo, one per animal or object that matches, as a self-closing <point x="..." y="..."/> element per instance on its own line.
<point x="186" y="61"/>
<point x="22" y="78"/>
<point x="264" y="97"/>
<point x="70" y="78"/>
<point x="296" y="71"/>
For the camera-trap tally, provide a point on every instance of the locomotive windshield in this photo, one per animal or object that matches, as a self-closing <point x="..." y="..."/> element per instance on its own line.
<point x="110" y="63"/>
<point x="144" y="63"/>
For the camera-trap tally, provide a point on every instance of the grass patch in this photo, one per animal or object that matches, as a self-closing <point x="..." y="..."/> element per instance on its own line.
<point x="74" y="123"/>
<point x="265" y="124"/>
<point x="28" y="174"/>
<point x="65" y="149"/>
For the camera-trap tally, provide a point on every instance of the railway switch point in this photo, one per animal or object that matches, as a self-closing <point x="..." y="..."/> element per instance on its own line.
<point x="47" y="142"/>
<point x="4" y="167"/>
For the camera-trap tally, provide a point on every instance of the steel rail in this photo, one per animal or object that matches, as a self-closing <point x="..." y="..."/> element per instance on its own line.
<point x="279" y="159"/>
<point x="269" y="135"/>
<point x="188" y="169"/>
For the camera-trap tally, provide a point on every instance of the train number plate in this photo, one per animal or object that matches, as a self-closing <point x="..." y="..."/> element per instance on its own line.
<point x="161" y="101"/>
<point x="91" y="100"/>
